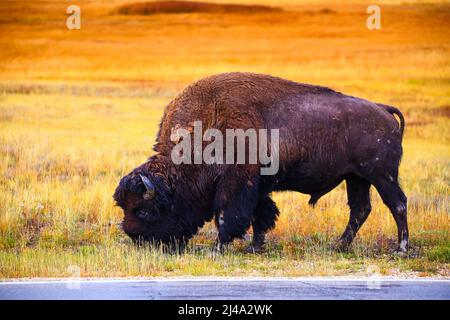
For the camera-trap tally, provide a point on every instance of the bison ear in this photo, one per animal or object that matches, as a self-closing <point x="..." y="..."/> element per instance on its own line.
<point x="150" y="188"/>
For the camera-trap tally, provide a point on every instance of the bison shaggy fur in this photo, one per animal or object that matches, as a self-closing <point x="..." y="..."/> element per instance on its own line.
<point x="325" y="137"/>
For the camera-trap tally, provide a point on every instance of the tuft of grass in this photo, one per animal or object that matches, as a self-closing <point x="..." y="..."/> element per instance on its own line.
<point x="440" y="254"/>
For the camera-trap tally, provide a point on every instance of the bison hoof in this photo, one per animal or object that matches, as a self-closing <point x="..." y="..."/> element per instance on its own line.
<point x="255" y="249"/>
<point x="401" y="253"/>
<point x="218" y="249"/>
<point x="341" y="246"/>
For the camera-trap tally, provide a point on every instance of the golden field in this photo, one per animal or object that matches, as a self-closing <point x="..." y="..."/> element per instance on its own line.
<point x="81" y="108"/>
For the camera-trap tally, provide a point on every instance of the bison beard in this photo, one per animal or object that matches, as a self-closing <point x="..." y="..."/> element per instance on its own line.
<point x="325" y="138"/>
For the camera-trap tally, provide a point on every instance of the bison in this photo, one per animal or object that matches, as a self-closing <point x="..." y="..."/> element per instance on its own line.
<point x="325" y="137"/>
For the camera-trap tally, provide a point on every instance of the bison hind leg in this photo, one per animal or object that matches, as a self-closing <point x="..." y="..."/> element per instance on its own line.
<point x="396" y="201"/>
<point x="358" y="193"/>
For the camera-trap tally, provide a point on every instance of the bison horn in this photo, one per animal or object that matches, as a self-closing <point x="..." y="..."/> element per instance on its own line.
<point x="150" y="188"/>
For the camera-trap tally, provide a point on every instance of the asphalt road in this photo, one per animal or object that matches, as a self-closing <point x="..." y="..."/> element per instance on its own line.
<point x="228" y="289"/>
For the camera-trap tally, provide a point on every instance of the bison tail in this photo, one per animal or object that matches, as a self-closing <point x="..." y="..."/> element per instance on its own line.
<point x="393" y="110"/>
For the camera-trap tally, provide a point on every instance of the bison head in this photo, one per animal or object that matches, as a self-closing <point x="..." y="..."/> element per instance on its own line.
<point x="147" y="201"/>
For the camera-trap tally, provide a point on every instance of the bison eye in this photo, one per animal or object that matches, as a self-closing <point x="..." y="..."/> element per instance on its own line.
<point x="145" y="214"/>
<point x="142" y="214"/>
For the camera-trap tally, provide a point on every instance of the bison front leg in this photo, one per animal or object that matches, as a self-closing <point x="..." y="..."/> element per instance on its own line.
<point x="234" y="205"/>
<point x="266" y="214"/>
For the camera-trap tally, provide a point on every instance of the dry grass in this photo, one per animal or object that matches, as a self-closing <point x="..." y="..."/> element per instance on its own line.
<point x="78" y="109"/>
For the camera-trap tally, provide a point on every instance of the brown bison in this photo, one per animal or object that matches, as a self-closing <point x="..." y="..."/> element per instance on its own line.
<point x="325" y="137"/>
